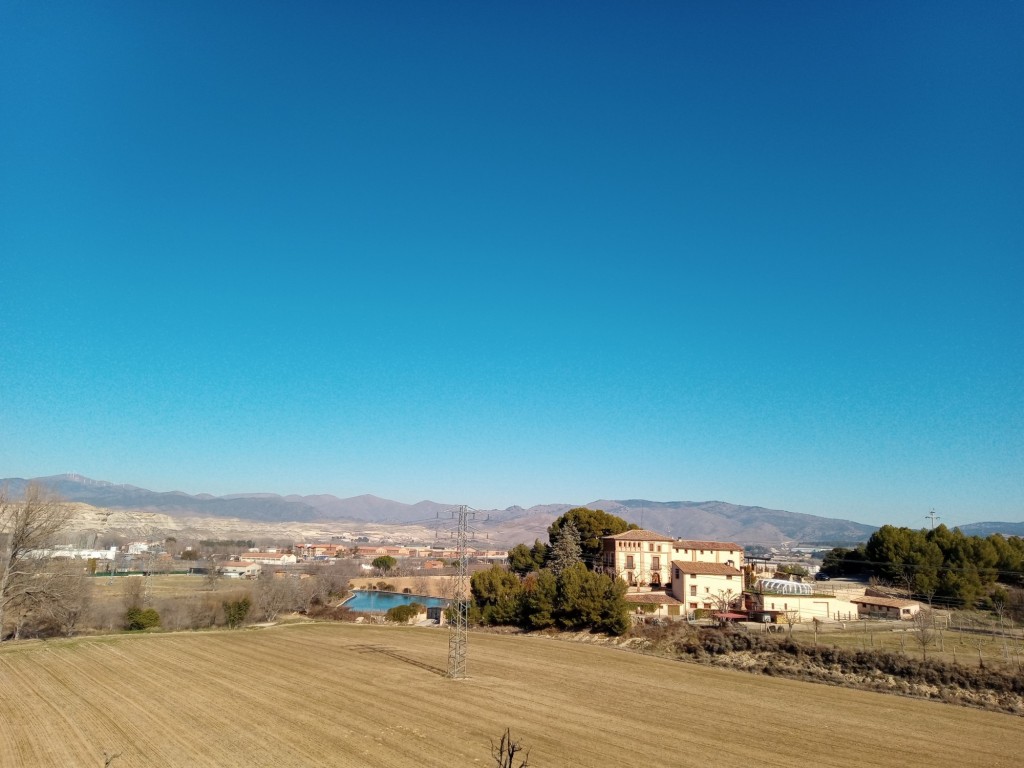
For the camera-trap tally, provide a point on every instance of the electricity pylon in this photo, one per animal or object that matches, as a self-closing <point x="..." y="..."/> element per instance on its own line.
<point x="458" y="613"/>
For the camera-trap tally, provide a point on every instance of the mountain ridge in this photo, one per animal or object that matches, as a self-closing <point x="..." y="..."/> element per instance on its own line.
<point x="684" y="519"/>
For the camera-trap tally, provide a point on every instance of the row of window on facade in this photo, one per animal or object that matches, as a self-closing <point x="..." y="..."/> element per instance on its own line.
<point x="655" y="562"/>
<point x="636" y="545"/>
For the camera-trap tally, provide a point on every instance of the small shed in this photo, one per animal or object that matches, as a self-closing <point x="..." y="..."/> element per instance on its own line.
<point x="435" y="613"/>
<point x="871" y="607"/>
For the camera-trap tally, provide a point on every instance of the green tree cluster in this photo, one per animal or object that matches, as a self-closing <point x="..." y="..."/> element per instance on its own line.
<point x="556" y="584"/>
<point x="523" y="559"/>
<point x="566" y="550"/>
<point x="401" y="614"/>
<point x="591" y="525"/>
<point x="137" y="619"/>
<point x="235" y="612"/>
<point x="938" y="563"/>
<point x="792" y="570"/>
<point x="574" y="599"/>
<point x="845" y="562"/>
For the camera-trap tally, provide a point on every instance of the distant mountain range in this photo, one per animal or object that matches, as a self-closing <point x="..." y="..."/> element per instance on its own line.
<point x="987" y="529"/>
<point x="265" y="507"/>
<point x="684" y="519"/>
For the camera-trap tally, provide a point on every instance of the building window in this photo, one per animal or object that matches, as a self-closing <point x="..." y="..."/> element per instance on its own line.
<point x="728" y="578"/>
<point x="629" y="561"/>
<point x="693" y="606"/>
<point x="693" y="590"/>
<point x="677" y="573"/>
<point x="656" y="562"/>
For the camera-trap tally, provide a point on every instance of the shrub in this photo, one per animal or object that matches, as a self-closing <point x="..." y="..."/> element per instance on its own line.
<point x="402" y="614"/>
<point x="334" y="613"/>
<point x="235" y="612"/>
<point x="136" y="619"/>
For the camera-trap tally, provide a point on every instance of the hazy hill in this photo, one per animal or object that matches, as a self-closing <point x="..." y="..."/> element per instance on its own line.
<point x="369" y="507"/>
<point x="987" y="529"/>
<point x="732" y="522"/>
<point x="99" y="493"/>
<point x="683" y="519"/>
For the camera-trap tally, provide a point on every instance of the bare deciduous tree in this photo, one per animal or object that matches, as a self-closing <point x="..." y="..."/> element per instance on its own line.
<point x="791" y="617"/>
<point x="273" y="595"/>
<point x="309" y="591"/>
<point x="72" y="584"/>
<point x="723" y="601"/>
<point x="421" y="585"/>
<point x="27" y="526"/>
<point x="212" y="574"/>
<point x="133" y="592"/>
<point x="505" y="751"/>
<point x="924" y="629"/>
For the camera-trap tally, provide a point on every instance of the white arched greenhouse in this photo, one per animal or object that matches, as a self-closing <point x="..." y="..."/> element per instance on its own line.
<point x="783" y="587"/>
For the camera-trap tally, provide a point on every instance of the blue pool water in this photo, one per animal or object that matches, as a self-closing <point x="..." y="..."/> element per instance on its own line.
<point x="380" y="602"/>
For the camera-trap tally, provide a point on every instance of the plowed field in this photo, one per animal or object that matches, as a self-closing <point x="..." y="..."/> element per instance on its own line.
<point x="350" y="695"/>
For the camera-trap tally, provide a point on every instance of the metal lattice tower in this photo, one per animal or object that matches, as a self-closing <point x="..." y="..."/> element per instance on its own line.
<point x="458" y="622"/>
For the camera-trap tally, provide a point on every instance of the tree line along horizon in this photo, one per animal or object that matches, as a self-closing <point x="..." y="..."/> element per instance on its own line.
<point x="938" y="565"/>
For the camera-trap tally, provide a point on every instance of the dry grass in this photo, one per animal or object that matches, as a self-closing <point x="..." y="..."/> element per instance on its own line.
<point x="345" y="695"/>
<point x="962" y="646"/>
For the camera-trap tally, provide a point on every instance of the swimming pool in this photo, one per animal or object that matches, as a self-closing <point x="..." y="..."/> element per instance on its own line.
<point x="381" y="602"/>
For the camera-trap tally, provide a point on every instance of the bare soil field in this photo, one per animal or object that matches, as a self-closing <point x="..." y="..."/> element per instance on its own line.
<point x="351" y="695"/>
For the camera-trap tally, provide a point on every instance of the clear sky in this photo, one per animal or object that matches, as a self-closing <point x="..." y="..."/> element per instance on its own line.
<point x="519" y="253"/>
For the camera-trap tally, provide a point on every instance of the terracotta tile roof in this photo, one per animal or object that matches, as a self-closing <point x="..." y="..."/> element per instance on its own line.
<point x="651" y="598"/>
<point x="887" y="602"/>
<point x="238" y="564"/>
<point x="730" y="546"/>
<point x="706" y="569"/>
<point x="639" y="535"/>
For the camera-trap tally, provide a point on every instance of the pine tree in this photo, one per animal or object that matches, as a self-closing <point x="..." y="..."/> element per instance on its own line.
<point x="566" y="550"/>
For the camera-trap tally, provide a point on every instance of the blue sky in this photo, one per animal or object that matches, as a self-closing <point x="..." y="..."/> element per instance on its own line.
<point x="520" y="253"/>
